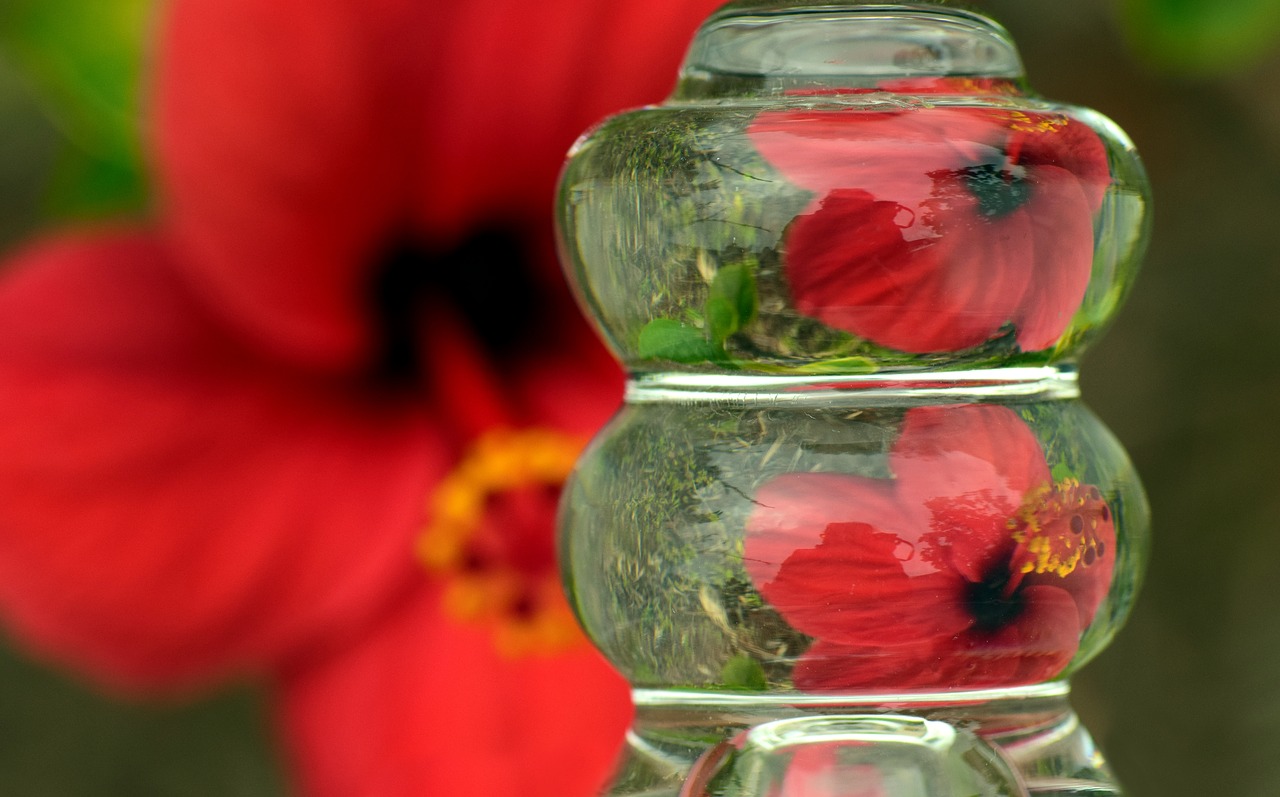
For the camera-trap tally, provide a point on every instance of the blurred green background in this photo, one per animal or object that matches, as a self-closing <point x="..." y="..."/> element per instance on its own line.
<point x="1186" y="702"/>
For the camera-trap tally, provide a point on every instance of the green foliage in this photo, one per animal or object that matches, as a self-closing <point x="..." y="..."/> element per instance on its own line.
<point x="744" y="672"/>
<point x="85" y="58"/>
<point x="1202" y="36"/>
<point x="1061" y="472"/>
<point x="731" y="304"/>
<point x="668" y="339"/>
<point x="733" y="301"/>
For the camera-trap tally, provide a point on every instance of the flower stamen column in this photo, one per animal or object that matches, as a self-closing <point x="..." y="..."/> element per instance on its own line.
<point x="853" y="530"/>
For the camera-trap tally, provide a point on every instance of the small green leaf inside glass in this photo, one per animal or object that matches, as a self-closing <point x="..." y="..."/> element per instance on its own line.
<point x="743" y="672"/>
<point x="668" y="339"/>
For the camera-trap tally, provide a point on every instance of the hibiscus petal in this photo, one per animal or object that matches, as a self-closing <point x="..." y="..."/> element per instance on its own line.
<point x="897" y="247"/>
<point x="862" y="265"/>
<point x="839" y="560"/>
<point x="172" y="508"/>
<point x="1031" y="648"/>
<point x="849" y="264"/>
<point x="281" y="153"/>
<point x="827" y="667"/>
<point x="971" y="466"/>
<point x="520" y="83"/>
<point x="1042" y="639"/>
<point x="423" y="706"/>
<point x="1044" y="140"/>
<point x="294" y="137"/>
<point x="889" y="155"/>
<point x="1061" y="251"/>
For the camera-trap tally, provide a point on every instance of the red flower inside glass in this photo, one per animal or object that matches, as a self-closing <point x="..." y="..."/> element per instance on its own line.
<point x="970" y="568"/>
<point x="934" y="228"/>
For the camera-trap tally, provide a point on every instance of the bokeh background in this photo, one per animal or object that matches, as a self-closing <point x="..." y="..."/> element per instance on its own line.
<point x="1186" y="702"/>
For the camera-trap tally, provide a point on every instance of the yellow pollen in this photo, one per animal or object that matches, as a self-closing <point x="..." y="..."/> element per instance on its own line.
<point x="1057" y="529"/>
<point x="528" y="613"/>
<point x="1023" y="123"/>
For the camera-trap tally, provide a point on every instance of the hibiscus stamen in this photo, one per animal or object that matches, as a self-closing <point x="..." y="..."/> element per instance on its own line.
<point x="1058" y="529"/>
<point x="490" y="537"/>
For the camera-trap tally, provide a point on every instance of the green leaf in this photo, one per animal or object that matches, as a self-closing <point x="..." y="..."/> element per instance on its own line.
<point x="733" y="301"/>
<point x="1061" y="473"/>
<point x="668" y="339"/>
<point x="1202" y="36"/>
<point x="843" y="365"/>
<point x="722" y="318"/>
<point x="85" y="58"/>
<point x="743" y="672"/>
<point x="84" y="186"/>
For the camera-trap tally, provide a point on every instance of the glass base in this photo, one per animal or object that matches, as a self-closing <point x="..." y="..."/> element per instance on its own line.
<point x="1024" y="742"/>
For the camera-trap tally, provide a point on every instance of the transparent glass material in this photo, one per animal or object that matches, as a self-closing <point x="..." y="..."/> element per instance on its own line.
<point x="848" y="190"/>
<point x="847" y="545"/>
<point x="853" y="529"/>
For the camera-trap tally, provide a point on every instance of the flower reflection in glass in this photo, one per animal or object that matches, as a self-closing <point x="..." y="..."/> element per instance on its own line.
<point x="934" y="228"/>
<point x="970" y="568"/>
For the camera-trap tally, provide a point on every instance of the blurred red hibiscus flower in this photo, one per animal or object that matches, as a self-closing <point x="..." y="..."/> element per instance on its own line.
<point x="970" y="568"/>
<point x="223" y="435"/>
<point x="935" y="227"/>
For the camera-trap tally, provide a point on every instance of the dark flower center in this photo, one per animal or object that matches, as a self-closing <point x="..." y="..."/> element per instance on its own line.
<point x="485" y="279"/>
<point x="999" y="188"/>
<point x="1059" y="530"/>
<point x="988" y="602"/>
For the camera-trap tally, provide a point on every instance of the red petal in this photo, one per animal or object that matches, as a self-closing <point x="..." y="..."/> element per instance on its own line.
<point x="421" y="706"/>
<point x="575" y="385"/>
<point x="1032" y="648"/>
<point x="855" y="264"/>
<point x="895" y="248"/>
<point x="1045" y="141"/>
<point x="1061" y="249"/>
<point x="170" y="507"/>
<point x="295" y="136"/>
<point x="281" y="152"/>
<point x="507" y="88"/>
<point x="970" y="466"/>
<point x="926" y="665"/>
<point x="1042" y="639"/>
<point x="838" y="558"/>
<point x="889" y="155"/>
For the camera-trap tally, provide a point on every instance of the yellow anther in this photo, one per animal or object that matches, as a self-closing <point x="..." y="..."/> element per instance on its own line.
<point x="1056" y="529"/>
<point x="526" y="609"/>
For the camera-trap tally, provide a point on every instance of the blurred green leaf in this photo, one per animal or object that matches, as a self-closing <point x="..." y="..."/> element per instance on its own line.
<point x="668" y="339"/>
<point x="840" y="365"/>
<point x="743" y="672"/>
<point x="1061" y="472"/>
<point x="85" y="58"/>
<point x="722" y="318"/>
<point x="733" y="302"/>
<point x="1202" y="36"/>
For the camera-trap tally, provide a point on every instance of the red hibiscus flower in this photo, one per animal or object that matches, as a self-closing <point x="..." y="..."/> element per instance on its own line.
<point x="935" y="227"/>
<point x="223" y="438"/>
<point x="969" y="568"/>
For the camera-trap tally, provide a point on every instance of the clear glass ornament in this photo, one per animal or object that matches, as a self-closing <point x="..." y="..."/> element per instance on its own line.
<point x="853" y="529"/>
